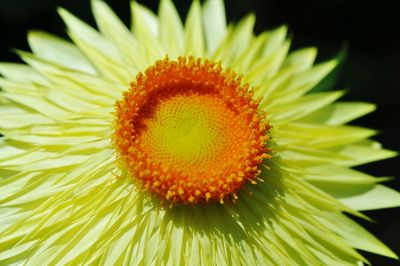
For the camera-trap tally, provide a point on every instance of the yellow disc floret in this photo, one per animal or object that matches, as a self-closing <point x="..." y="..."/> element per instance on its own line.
<point x="190" y="132"/>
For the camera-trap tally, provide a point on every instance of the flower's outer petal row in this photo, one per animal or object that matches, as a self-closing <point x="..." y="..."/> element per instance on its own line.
<point x="35" y="98"/>
<point x="62" y="179"/>
<point x="60" y="241"/>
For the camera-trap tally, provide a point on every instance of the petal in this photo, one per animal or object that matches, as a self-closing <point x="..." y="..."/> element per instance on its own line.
<point x="303" y="82"/>
<point x="356" y="236"/>
<point x="264" y="72"/>
<point x="214" y="22"/>
<point x="301" y="59"/>
<point x="377" y="197"/>
<point x="171" y="29"/>
<point x="58" y="51"/>
<point x="235" y="42"/>
<point x="194" y="39"/>
<point x="363" y="152"/>
<point x="114" y="30"/>
<point x="317" y="136"/>
<point x="340" y="113"/>
<point x="145" y="28"/>
<point x="19" y="73"/>
<point x="301" y="107"/>
<point x="103" y="54"/>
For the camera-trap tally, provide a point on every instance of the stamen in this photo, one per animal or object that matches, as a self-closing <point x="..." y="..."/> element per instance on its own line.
<point x="190" y="132"/>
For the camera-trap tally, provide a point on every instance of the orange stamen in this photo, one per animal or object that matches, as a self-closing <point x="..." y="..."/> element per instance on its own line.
<point x="190" y="132"/>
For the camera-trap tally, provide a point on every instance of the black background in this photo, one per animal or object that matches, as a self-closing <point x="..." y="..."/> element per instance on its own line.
<point x="371" y="71"/>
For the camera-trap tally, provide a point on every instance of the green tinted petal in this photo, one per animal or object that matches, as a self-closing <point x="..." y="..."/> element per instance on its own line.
<point x="214" y="24"/>
<point x="355" y="235"/>
<point x="236" y="41"/>
<point x="302" y="59"/>
<point x="371" y="198"/>
<point x="58" y="51"/>
<point x="101" y="52"/>
<point x="301" y="107"/>
<point x="83" y="32"/>
<point x="145" y="27"/>
<point x="114" y="30"/>
<point x="275" y="39"/>
<point x="19" y="73"/>
<point x="340" y="113"/>
<point x="363" y="152"/>
<point x="317" y="136"/>
<point x="171" y="29"/>
<point x="194" y="38"/>
<point x="303" y="82"/>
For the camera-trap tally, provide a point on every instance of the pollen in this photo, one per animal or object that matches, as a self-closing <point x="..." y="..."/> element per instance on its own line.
<point x="189" y="131"/>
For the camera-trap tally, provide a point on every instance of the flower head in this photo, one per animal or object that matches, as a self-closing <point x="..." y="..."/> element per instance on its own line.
<point x="222" y="125"/>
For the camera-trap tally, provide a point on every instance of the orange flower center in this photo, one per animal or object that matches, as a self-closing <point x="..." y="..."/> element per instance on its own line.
<point x="190" y="132"/>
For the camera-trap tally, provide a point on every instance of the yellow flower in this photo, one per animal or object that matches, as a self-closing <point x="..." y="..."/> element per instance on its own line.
<point x="171" y="144"/>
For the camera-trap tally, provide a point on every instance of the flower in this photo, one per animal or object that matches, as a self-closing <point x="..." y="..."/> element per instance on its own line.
<point x="216" y="153"/>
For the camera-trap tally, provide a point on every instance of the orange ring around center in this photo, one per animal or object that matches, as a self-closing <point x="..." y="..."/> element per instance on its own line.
<point x="189" y="132"/>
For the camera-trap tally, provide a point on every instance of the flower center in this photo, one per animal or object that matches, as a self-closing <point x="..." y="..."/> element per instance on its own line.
<point x="190" y="132"/>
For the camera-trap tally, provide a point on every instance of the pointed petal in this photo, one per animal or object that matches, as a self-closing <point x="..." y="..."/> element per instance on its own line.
<point x="357" y="236"/>
<point x="340" y="113"/>
<point x="59" y="51"/>
<point x="303" y="82"/>
<point x="103" y="54"/>
<point x="377" y="197"/>
<point x="145" y="27"/>
<point x="194" y="39"/>
<point x="214" y="22"/>
<point x="236" y="41"/>
<point x="19" y="73"/>
<point x="301" y="107"/>
<point x="171" y="29"/>
<point x="363" y="152"/>
<point x="112" y="28"/>
<point x="301" y="59"/>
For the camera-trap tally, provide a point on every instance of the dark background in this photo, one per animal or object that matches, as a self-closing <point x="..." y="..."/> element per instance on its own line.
<point x="371" y="70"/>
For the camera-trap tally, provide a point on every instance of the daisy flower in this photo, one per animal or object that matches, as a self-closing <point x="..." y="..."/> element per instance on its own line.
<point x="170" y="143"/>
